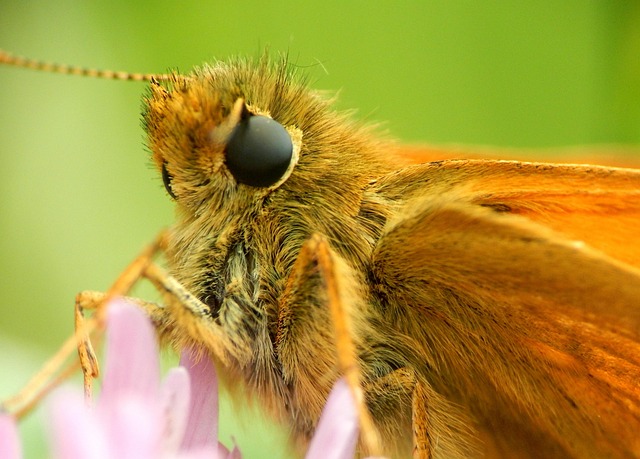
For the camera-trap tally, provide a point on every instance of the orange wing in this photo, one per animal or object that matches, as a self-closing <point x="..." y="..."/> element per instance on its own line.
<point x="615" y="156"/>
<point x="595" y="204"/>
<point x="517" y="283"/>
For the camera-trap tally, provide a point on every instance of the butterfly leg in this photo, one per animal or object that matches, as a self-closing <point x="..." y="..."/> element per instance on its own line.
<point x="181" y="312"/>
<point x="90" y="300"/>
<point x="315" y="334"/>
<point x="96" y="301"/>
<point x="390" y="395"/>
<point x="420" y="419"/>
<point x="184" y="319"/>
<point x="56" y="369"/>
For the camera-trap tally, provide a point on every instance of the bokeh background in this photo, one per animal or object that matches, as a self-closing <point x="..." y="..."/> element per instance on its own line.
<point x="79" y="198"/>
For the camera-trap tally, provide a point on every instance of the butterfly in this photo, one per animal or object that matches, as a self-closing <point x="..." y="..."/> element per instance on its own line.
<point x="485" y="308"/>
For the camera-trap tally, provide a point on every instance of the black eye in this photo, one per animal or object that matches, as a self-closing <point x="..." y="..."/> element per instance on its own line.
<point x="166" y="179"/>
<point x="259" y="151"/>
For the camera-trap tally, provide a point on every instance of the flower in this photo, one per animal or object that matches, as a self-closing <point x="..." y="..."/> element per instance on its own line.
<point x="337" y="432"/>
<point x="9" y="441"/>
<point x="137" y="416"/>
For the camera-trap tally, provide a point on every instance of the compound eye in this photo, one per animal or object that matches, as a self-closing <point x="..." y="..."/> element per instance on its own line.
<point x="259" y="151"/>
<point x="166" y="179"/>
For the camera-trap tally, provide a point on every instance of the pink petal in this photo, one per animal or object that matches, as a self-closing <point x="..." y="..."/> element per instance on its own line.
<point x="130" y="407"/>
<point x="75" y="430"/>
<point x="134" y="428"/>
<point x="199" y="454"/>
<point x="337" y="432"/>
<point x="223" y="452"/>
<point x="131" y="361"/>
<point x="202" y="427"/>
<point x="176" y="396"/>
<point x="234" y="454"/>
<point x="9" y="439"/>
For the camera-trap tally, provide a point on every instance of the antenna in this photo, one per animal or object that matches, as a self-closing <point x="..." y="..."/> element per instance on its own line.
<point x="22" y="62"/>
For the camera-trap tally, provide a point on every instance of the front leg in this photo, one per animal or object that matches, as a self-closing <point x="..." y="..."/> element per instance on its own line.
<point x="316" y="337"/>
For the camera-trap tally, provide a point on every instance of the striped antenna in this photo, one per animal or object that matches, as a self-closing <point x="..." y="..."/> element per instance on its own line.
<point x="19" y="61"/>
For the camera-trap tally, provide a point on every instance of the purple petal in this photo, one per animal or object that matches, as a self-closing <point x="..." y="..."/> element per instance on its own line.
<point x="176" y="396"/>
<point x="75" y="430"/>
<point x="9" y="440"/>
<point x="337" y="432"/>
<point x="202" y="427"/>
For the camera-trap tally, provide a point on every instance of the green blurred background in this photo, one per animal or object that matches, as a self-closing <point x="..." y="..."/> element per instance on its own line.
<point x="78" y="195"/>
